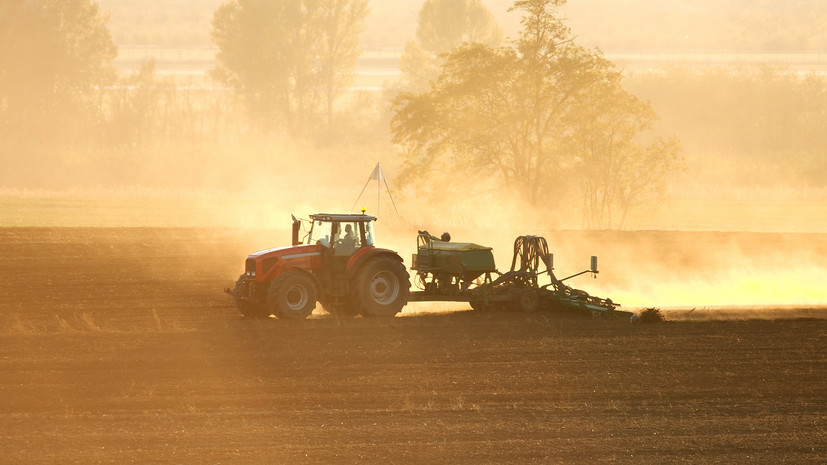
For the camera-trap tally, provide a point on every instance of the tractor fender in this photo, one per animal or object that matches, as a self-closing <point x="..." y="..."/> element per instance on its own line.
<point x="364" y="255"/>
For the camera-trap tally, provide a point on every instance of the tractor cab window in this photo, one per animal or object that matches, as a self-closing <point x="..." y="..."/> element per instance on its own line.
<point x="368" y="225"/>
<point x="348" y="238"/>
<point x="320" y="233"/>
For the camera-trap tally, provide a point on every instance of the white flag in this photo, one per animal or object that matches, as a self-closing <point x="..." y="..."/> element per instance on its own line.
<point x="377" y="173"/>
<point x="379" y="176"/>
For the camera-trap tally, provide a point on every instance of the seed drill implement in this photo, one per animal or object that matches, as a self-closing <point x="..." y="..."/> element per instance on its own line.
<point x="465" y="272"/>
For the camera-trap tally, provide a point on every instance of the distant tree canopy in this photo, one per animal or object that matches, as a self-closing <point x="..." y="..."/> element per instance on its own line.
<point x="161" y="23"/>
<point x="55" y="59"/>
<point x="542" y="115"/>
<point x="289" y="59"/>
<point x="443" y="25"/>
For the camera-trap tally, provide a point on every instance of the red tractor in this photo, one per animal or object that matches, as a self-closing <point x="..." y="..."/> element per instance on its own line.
<point x="337" y="265"/>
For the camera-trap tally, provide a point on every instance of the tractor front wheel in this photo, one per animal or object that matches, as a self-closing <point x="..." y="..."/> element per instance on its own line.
<point x="292" y="296"/>
<point x="382" y="287"/>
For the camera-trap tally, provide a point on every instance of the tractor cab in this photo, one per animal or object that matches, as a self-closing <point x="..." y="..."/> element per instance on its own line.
<point x="340" y="234"/>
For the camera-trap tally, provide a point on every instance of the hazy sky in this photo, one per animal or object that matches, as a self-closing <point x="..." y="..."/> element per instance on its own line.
<point x="615" y="26"/>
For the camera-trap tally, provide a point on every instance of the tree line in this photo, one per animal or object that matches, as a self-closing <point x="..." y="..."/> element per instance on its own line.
<point x="538" y="117"/>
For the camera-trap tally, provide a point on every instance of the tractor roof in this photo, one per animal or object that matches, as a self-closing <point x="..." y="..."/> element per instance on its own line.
<point x="346" y="217"/>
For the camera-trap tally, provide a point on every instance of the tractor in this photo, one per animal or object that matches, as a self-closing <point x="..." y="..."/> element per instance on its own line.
<point x="337" y="264"/>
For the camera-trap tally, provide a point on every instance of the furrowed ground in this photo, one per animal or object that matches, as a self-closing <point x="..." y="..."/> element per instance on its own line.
<point x="118" y="345"/>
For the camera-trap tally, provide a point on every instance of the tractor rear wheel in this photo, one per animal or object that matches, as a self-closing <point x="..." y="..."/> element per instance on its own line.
<point x="245" y="302"/>
<point x="381" y="287"/>
<point x="292" y="296"/>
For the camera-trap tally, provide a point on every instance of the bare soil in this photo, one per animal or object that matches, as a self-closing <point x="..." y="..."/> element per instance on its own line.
<point x="119" y="346"/>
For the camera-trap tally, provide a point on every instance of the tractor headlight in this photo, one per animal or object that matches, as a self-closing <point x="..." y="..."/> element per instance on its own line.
<point x="250" y="268"/>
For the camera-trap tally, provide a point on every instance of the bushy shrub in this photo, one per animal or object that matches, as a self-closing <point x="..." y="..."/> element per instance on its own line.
<point x="651" y="315"/>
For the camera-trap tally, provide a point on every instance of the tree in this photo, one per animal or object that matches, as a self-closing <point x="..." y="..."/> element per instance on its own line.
<point x="444" y="25"/>
<point x="342" y="23"/>
<point x="55" y="60"/>
<point x="616" y="166"/>
<point x="537" y="113"/>
<point x="134" y="107"/>
<point x="288" y="58"/>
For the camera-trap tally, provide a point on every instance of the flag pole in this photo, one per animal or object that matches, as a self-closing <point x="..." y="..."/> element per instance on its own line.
<point x="360" y="195"/>
<point x="389" y="195"/>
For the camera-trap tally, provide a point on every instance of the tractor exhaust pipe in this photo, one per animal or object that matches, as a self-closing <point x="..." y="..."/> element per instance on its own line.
<point x="296" y="226"/>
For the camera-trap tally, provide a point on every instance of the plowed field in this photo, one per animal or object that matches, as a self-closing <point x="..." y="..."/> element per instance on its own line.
<point x="119" y="346"/>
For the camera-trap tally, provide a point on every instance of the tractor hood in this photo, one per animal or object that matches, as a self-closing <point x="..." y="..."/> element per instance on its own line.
<point x="285" y="252"/>
<point x="264" y="264"/>
<point x="274" y="251"/>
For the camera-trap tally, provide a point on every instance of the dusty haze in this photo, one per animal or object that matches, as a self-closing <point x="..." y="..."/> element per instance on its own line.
<point x="131" y="196"/>
<point x="743" y="223"/>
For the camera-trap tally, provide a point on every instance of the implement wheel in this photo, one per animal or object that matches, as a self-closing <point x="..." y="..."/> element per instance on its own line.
<point x="480" y="306"/>
<point x="292" y="296"/>
<point x="528" y="301"/>
<point x="381" y="287"/>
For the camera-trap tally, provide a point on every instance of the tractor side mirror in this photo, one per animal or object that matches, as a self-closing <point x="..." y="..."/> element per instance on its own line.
<point x="297" y="224"/>
<point x="594" y="265"/>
